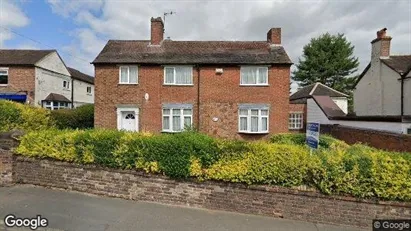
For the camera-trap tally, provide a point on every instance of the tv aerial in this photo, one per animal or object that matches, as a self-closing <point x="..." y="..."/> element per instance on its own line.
<point x="164" y="17"/>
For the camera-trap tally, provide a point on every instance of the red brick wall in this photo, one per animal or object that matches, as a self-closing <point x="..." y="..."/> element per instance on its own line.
<point x="303" y="204"/>
<point x="377" y="139"/>
<point x="220" y="95"/>
<point x="299" y="108"/>
<point x="22" y="79"/>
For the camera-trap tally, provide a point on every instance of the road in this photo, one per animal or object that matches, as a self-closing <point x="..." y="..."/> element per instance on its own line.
<point x="77" y="211"/>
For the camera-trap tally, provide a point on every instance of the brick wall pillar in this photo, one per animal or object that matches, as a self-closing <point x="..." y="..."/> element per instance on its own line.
<point x="6" y="161"/>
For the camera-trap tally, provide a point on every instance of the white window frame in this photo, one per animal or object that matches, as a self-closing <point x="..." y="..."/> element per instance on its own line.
<point x="248" y="116"/>
<point x="120" y="110"/>
<point x="170" y="118"/>
<point x="128" y="74"/>
<point x="258" y="76"/>
<point x="50" y="105"/>
<point x="67" y="87"/>
<point x="89" y="92"/>
<point x="174" y="76"/>
<point x="294" y="127"/>
<point x="7" y="74"/>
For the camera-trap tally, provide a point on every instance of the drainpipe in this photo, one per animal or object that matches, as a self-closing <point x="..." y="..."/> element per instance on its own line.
<point x="72" y="93"/>
<point x="402" y="96"/>
<point x="198" y="98"/>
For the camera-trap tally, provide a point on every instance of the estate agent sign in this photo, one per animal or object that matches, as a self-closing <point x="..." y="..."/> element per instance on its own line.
<point x="313" y="135"/>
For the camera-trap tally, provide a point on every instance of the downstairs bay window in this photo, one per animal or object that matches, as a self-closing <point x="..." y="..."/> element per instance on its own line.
<point x="177" y="117"/>
<point x="55" y="105"/>
<point x="253" y="118"/>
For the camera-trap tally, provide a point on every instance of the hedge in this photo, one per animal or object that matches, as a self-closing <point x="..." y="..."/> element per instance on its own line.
<point x="355" y="170"/>
<point x="81" y="117"/>
<point x="23" y="117"/>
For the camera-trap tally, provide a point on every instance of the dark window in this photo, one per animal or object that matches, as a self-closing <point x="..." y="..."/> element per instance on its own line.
<point x="409" y="131"/>
<point x="4" y="76"/>
<point x="89" y="90"/>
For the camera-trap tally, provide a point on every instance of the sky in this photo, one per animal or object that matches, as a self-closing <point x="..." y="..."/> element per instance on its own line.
<point x="79" y="29"/>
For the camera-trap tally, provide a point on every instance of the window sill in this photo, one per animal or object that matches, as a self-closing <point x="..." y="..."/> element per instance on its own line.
<point x="254" y="85"/>
<point x="254" y="133"/>
<point x="178" y="85"/>
<point x="127" y="84"/>
<point x="89" y="94"/>
<point x="295" y="129"/>
<point x="3" y="85"/>
<point x="65" y="89"/>
<point x="171" y="131"/>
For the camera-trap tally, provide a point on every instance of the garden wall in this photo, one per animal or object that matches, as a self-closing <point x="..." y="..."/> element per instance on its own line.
<point x="305" y="205"/>
<point x="374" y="138"/>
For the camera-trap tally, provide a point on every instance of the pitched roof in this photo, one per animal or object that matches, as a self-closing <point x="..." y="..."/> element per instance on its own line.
<point x="328" y="106"/>
<point x="56" y="97"/>
<point x="76" y="74"/>
<point x="192" y="52"/>
<point x="22" y="57"/>
<point x="315" y="89"/>
<point x="399" y="63"/>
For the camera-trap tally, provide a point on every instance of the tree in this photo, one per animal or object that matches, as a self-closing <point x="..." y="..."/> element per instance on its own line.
<point x="329" y="60"/>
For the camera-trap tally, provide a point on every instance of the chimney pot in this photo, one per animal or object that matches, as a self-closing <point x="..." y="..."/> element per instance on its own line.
<point x="274" y="36"/>
<point x="157" y="31"/>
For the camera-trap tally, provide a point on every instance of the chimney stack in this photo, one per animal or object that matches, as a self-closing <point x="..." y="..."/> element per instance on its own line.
<point x="381" y="45"/>
<point x="157" y="31"/>
<point x="274" y="36"/>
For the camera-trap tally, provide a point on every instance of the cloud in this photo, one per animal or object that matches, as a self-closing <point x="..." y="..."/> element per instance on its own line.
<point x="11" y="16"/>
<point x="98" y="21"/>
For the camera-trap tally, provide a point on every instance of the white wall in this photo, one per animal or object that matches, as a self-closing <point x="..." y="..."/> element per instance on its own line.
<point x="315" y="114"/>
<point x="81" y="96"/>
<point x="342" y="103"/>
<point x="368" y="92"/>
<point x="49" y="82"/>
<point x="407" y="95"/>
<point x="391" y="91"/>
<point x="53" y="63"/>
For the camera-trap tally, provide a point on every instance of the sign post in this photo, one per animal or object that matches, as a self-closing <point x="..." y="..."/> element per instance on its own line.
<point x="313" y="135"/>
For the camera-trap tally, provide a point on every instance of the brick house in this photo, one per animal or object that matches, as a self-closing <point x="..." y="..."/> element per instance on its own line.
<point x="231" y="89"/>
<point x="40" y="78"/>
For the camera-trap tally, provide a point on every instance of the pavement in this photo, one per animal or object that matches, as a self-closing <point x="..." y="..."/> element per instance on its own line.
<point x="78" y="211"/>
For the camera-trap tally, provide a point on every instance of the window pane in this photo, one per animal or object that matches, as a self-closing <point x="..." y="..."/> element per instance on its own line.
<point x="4" y="79"/>
<point x="248" y="75"/>
<point x="176" y="123"/>
<point x="133" y="75"/>
<point x="187" y="121"/>
<point x="264" y="124"/>
<point x="176" y="111"/>
<point x="262" y="75"/>
<point x="183" y="75"/>
<point x="166" y="123"/>
<point x="55" y="104"/>
<point x="169" y="75"/>
<point x="264" y="112"/>
<point x="243" y="112"/>
<point x="243" y="123"/>
<point x="187" y="112"/>
<point x="124" y="75"/>
<point x="3" y="72"/>
<point x="166" y="111"/>
<point x="254" y="124"/>
<point x="254" y="112"/>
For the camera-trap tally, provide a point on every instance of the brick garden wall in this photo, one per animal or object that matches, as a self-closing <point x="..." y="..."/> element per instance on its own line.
<point x="264" y="200"/>
<point x="378" y="139"/>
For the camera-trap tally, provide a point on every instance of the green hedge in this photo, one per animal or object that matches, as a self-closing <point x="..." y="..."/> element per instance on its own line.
<point x="23" y="117"/>
<point x="356" y="170"/>
<point x="81" y="117"/>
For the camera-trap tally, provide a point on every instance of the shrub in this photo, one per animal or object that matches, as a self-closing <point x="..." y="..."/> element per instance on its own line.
<point x="299" y="139"/>
<point x="24" y="117"/>
<point x="78" y="118"/>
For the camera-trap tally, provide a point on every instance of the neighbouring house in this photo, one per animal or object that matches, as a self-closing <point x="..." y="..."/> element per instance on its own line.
<point x="312" y="103"/>
<point x="383" y="91"/>
<point x="231" y="89"/>
<point x="40" y="78"/>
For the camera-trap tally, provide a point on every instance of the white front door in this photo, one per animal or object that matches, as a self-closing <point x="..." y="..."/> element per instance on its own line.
<point x="128" y="121"/>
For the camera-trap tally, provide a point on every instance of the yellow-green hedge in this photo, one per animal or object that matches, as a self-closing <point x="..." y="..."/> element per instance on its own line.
<point x="356" y="170"/>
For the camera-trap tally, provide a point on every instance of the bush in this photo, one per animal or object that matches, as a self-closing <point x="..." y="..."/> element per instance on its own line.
<point x="78" y="118"/>
<point x="299" y="139"/>
<point x="356" y="170"/>
<point x="23" y="117"/>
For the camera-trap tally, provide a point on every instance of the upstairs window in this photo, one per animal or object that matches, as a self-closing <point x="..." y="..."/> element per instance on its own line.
<point x="251" y="75"/>
<point x="128" y="75"/>
<point x="295" y="120"/>
<point x="66" y="85"/>
<point x="253" y="119"/>
<point x="179" y="75"/>
<point x="409" y="131"/>
<point x="4" y="76"/>
<point x="177" y="117"/>
<point x="89" y="90"/>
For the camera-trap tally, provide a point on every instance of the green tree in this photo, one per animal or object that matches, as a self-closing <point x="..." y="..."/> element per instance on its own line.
<point x="329" y="60"/>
